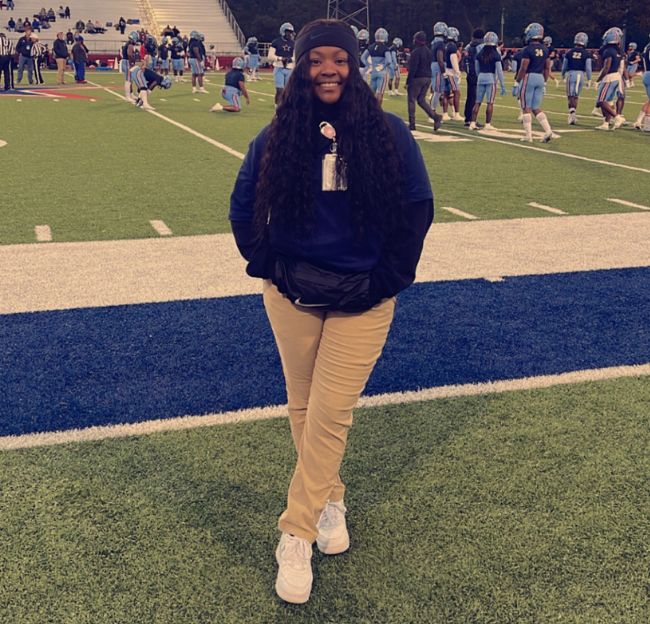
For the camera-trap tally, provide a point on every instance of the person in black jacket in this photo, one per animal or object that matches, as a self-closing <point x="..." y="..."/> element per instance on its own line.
<point x="331" y="207"/>
<point x="418" y="80"/>
<point x="24" y="51"/>
<point x="61" y="55"/>
<point x="469" y="56"/>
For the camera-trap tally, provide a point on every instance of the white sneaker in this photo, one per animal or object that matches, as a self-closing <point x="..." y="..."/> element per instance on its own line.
<point x="446" y="117"/>
<point x="619" y="120"/>
<point x="472" y="125"/>
<point x="596" y="112"/>
<point x="604" y="126"/>
<point x="458" y="117"/>
<point x="216" y="107"/>
<point x="295" y="577"/>
<point x="526" y="139"/>
<point x="194" y="89"/>
<point x="520" y="117"/>
<point x="333" y="537"/>
<point x="202" y="90"/>
<point x="489" y="127"/>
<point x="557" y="83"/>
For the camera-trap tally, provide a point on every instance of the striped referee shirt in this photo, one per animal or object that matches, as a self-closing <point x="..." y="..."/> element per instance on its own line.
<point x="6" y="47"/>
<point x="37" y="49"/>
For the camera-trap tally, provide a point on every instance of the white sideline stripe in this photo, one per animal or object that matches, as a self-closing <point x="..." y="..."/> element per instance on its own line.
<point x="547" y="208"/>
<point x="460" y="213"/>
<point x="544" y="151"/>
<point x="193" y="132"/>
<point x="43" y="233"/>
<point x="32" y="440"/>
<point x="627" y="203"/>
<point x="493" y="278"/>
<point x="161" y="227"/>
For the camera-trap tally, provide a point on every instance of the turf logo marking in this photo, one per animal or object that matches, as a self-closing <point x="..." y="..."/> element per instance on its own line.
<point x="160" y="227"/>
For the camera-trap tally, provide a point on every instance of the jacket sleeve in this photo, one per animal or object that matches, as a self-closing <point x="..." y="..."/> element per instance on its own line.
<point x="396" y="268"/>
<point x="242" y="199"/>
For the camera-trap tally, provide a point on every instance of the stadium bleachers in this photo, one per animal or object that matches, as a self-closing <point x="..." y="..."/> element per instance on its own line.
<point x="205" y="16"/>
<point x="95" y="10"/>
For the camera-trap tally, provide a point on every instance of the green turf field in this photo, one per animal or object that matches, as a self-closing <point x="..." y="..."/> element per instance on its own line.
<point x="107" y="169"/>
<point x="514" y="508"/>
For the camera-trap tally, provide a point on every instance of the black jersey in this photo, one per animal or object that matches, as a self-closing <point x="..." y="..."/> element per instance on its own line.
<point x="577" y="58"/>
<point x="451" y="49"/>
<point x="612" y="52"/>
<point x="234" y="77"/>
<point x="536" y="53"/>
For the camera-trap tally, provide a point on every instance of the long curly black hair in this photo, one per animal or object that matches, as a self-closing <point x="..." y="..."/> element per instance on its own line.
<point x="365" y="142"/>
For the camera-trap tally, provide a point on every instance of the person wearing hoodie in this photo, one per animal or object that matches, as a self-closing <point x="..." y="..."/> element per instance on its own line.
<point x="418" y="81"/>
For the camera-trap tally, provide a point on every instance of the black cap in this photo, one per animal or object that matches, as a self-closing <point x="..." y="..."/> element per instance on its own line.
<point x="332" y="33"/>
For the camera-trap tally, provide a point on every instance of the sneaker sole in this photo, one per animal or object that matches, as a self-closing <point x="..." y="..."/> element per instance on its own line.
<point x="331" y="547"/>
<point x="287" y="595"/>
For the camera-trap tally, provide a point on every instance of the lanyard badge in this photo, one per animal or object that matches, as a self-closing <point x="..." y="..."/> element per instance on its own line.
<point x="334" y="178"/>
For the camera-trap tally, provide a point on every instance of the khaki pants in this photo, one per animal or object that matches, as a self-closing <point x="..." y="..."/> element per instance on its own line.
<point x="60" y="69"/>
<point x="327" y="358"/>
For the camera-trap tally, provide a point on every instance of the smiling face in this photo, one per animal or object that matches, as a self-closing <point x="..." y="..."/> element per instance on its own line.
<point x="329" y="69"/>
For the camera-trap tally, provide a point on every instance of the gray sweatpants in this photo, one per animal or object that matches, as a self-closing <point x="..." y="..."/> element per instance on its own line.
<point x="22" y="62"/>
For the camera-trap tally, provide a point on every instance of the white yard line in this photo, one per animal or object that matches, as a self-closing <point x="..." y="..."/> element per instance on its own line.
<point x="8" y="443"/>
<point x="160" y="227"/>
<point x="550" y="152"/>
<point x="62" y="276"/>
<point x="191" y="131"/>
<point x="460" y="213"/>
<point x="547" y="208"/>
<point x="623" y="202"/>
<point x="43" y="233"/>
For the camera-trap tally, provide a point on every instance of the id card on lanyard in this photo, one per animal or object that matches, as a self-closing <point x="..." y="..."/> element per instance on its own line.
<point x="333" y="166"/>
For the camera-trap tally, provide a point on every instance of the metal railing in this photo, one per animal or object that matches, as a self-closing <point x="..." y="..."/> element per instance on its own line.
<point x="150" y="17"/>
<point x="239" y="33"/>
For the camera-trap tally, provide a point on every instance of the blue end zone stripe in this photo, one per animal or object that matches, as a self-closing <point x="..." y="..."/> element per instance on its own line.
<point x="99" y="366"/>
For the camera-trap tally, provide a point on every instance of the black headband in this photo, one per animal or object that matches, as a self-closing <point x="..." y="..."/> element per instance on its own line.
<point x="335" y="34"/>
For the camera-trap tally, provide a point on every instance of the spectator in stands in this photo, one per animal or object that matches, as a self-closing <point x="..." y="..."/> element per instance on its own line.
<point x="10" y="5"/>
<point x="99" y="28"/>
<point x="24" y="50"/>
<point x="51" y="15"/>
<point x="11" y="25"/>
<point x="79" y="26"/>
<point x="90" y="27"/>
<point x="69" y="37"/>
<point x="79" y="58"/>
<point x="61" y="56"/>
<point x="61" y="11"/>
<point x="2" y="6"/>
<point x="27" y="23"/>
<point x="67" y="12"/>
<point x="176" y="31"/>
<point x="122" y="25"/>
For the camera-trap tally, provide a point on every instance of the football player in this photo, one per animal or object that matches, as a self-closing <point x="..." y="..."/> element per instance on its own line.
<point x="252" y="57"/>
<point x="575" y="67"/>
<point x="163" y="56"/>
<point x="452" y="74"/>
<point x="552" y="55"/>
<point x="488" y="69"/>
<point x="151" y="50"/>
<point x="393" y="68"/>
<point x="378" y="58"/>
<point x="610" y="81"/>
<point x="196" y="59"/>
<point x="177" y="54"/>
<point x="363" y="37"/>
<point x="633" y="58"/>
<point x="145" y="80"/>
<point x="438" y="63"/>
<point x="234" y="88"/>
<point x="281" y="56"/>
<point x="530" y="81"/>
<point x="516" y="63"/>
<point x="643" y="120"/>
<point x="130" y="55"/>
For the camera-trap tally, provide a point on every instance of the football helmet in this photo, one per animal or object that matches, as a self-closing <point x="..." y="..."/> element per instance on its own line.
<point x="252" y="40"/>
<point x="363" y="35"/>
<point x="533" y="31"/>
<point x="397" y="42"/>
<point x="440" y="29"/>
<point x="166" y="83"/>
<point x="581" y="38"/>
<point x="381" y="35"/>
<point x="548" y="41"/>
<point x="286" y="29"/>
<point x="491" y="38"/>
<point x="134" y="37"/>
<point x="611" y="37"/>
<point x="194" y="35"/>
<point x="632" y="46"/>
<point x="238" y="63"/>
<point x="453" y="33"/>
<point x="201" y="37"/>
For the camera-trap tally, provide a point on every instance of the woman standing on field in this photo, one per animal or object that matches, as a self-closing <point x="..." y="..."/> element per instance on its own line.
<point x="330" y="208"/>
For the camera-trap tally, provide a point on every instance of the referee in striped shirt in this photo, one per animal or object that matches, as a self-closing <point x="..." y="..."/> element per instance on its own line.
<point x="38" y="50"/>
<point x="7" y="61"/>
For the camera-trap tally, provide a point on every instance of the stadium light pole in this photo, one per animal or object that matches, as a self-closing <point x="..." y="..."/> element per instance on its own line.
<point x="354" y="12"/>
<point x="503" y="22"/>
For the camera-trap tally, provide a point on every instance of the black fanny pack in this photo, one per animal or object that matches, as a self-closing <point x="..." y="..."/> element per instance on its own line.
<point x="310" y="286"/>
